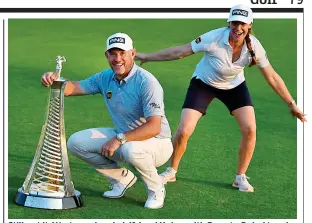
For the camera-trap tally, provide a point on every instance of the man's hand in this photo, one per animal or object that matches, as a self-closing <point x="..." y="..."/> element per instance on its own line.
<point x="110" y="147"/>
<point x="48" y="78"/>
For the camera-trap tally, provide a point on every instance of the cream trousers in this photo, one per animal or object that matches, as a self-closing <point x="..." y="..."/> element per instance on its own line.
<point x="144" y="156"/>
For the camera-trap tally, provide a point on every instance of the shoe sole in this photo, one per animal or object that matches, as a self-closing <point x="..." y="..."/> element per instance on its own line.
<point x="170" y="181"/>
<point x="134" y="179"/>
<point x="155" y="207"/>
<point x="159" y="206"/>
<point x="249" y="190"/>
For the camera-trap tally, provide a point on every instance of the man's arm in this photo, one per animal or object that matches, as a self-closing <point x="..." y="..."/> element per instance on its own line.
<point x="153" y="109"/>
<point x="72" y="88"/>
<point x="146" y="131"/>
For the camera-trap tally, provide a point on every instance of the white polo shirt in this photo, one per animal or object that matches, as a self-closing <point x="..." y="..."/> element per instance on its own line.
<point x="216" y="68"/>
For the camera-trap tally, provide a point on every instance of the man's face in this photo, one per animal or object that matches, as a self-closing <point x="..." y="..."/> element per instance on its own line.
<point x="121" y="61"/>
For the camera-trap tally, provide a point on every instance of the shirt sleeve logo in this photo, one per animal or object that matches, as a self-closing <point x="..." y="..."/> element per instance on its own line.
<point x="109" y="94"/>
<point x="154" y="105"/>
<point x="198" y="40"/>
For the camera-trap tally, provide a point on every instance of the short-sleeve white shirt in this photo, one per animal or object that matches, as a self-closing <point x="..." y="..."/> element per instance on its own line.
<point x="216" y="68"/>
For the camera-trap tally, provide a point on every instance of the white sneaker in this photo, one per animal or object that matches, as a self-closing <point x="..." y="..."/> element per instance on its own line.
<point x="118" y="189"/>
<point x="156" y="199"/>
<point x="241" y="182"/>
<point x="169" y="175"/>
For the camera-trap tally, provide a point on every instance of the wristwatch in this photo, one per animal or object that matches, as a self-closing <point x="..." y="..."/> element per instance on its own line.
<point x="121" y="138"/>
<point x="291" y="103"/>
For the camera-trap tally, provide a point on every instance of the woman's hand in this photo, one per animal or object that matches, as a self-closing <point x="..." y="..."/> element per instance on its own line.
<point x="142" y="57"/>
<point x="296" y="112"/>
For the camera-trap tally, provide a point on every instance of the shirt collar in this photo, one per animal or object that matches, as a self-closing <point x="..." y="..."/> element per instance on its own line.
<point x="226" y="37"/>
<point x="131" y="73"/>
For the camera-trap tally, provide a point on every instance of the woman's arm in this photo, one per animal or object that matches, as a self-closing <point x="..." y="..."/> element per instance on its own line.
<point x="278" y="85"/>
<point x="172" y="53"/>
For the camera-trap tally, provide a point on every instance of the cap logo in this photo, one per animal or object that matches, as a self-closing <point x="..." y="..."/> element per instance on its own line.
<point x="240" y="12"/>
<point x="116" y="40"/>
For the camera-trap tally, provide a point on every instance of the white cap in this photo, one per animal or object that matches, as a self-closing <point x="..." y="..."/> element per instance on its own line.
<point x="241" y="13"/>
<point x="119" y="40"/>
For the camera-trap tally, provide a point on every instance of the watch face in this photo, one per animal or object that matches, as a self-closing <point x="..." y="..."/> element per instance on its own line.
<point x="121" y="136"/>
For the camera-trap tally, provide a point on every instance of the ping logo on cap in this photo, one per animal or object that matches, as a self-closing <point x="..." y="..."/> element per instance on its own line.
<point x="240" y="12"/>
<point x="116" y="40"/>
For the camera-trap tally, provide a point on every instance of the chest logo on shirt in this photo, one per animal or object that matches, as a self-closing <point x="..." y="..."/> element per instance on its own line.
<point x="198" y="40"/>
<point x="109" y="94"/>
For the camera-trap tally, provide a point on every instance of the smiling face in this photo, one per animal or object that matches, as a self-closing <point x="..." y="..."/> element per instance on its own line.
<point x="120" y="61"/>
<point x="239" y="30"/>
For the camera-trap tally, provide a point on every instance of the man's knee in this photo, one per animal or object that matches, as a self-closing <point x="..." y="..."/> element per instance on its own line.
<point x="131" y="153"/>
<point x="74" y="143"/>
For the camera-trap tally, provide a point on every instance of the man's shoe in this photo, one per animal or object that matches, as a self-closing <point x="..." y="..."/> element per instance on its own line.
<point x="156" y="199"/>
<point x="169" y="175"/>
<point x="241" y="182"/>
<point x="118" y="189"/>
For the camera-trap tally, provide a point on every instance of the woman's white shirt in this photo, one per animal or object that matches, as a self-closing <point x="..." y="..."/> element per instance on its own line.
<point x="216" y="68"/>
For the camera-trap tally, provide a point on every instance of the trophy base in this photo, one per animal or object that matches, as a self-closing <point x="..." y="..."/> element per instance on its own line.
<point x="45" y="202"/>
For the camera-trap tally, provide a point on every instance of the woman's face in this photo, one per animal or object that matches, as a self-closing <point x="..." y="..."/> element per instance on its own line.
<point x="239" y="30"/>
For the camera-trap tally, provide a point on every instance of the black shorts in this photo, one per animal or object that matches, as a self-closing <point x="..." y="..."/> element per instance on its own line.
<point x="199" y="95"/>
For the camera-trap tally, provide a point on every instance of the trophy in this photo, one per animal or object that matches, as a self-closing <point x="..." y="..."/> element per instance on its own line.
<point x="48" y="183"/>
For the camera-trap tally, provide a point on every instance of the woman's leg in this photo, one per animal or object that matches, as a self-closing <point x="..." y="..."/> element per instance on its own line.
<point x="189" y="119"/>
<point x="240" y="105"/>
<point x="198" y="97"/>
<point x="188" y="122"/>
<point x="245" y="117"/>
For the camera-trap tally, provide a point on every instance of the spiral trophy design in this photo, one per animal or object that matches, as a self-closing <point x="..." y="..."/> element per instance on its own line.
<point x="48" y="183"/>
